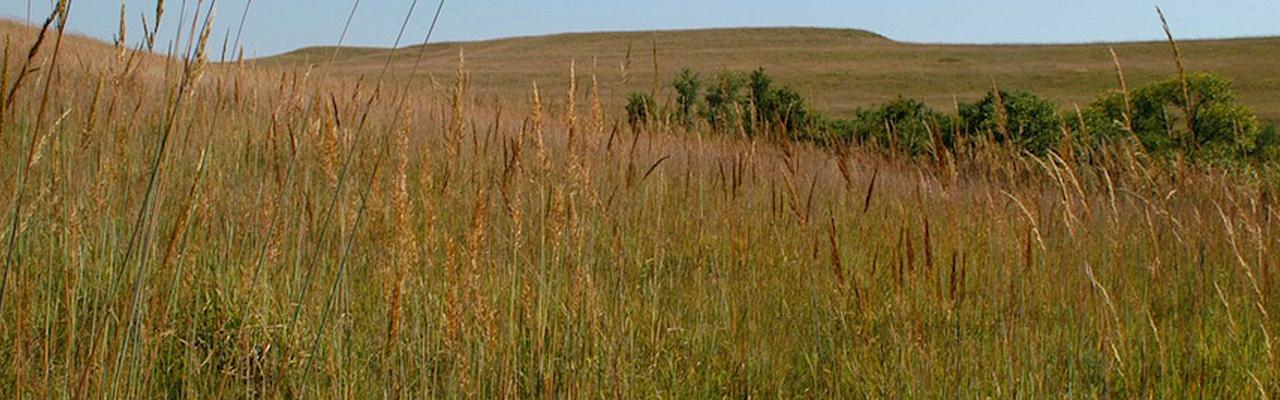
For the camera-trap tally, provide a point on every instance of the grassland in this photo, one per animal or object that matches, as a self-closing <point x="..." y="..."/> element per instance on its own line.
<point x="839" y="70"/>
<point x="183" y="229"/>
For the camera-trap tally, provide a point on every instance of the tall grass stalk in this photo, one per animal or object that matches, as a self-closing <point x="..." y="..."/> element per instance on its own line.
<point x="181" y="228"/>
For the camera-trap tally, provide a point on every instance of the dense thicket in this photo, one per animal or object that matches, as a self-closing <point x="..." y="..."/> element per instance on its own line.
<point x="1203" y="122"/>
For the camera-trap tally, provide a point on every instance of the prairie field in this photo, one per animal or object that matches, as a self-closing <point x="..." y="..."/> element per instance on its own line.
<point x="429" y="223"/>
<point x="840" y="69"/>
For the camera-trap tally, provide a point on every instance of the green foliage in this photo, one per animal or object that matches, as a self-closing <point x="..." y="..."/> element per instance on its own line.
<point x="1026" y="119"/>
<point x="780" y="107"/>
<point x="640" y="108"/>
<point x="761" y="84"/>
<point x="725" y="101"/>
<point x="1268" y="143"/>
<point x="1104" y="122"/>
<point x="688" y="95"/>
<point x="1220" y="127"/>
<point x="787" y="108"/>
<point x="905" y="125"/>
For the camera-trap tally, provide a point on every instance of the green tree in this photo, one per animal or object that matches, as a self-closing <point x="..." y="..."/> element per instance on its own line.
<point x="905" y="125"/>
<point x="786" y="108"/>
<point x="1220" y="126"/>
<point x="761" y="87"/>
<point x="725" y="101"/>
<point x="688" y="87"/>
<point x="1026" y="119"/>
<point x="1268" y="144"/>
<point x="776" y="107"/>
<point x="640" y="108"/>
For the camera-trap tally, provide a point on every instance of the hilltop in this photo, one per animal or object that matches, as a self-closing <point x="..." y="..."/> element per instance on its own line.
<point x="838" y="69"/>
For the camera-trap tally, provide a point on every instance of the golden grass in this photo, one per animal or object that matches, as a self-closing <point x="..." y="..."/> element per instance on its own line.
<point x="839" y="70"/>
<point x="276" y="232"/>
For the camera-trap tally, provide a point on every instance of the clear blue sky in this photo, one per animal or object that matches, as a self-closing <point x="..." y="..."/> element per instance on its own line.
<point x="276" y="26"/>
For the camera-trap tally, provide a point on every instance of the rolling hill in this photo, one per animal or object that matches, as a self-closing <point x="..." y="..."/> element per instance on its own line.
<point x="179" y="231"/>
<point x="838" y="70"/>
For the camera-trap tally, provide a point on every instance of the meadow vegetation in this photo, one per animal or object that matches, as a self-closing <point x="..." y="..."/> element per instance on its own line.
<point x="181" y="228"/>
<point x="1196" y="116"/>
<point x="838" y="70"/>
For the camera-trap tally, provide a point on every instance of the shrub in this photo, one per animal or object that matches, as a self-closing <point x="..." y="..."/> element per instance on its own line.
<point x="761" y="85"/>
<point x="640" y="108"/>
<point x="1029" y="121"/>
<point x="1220" y="127"/>
<point x="1268" y="143"/>
<point x="725" y="101"/>
<point x="751" y="100"/>
<point x="781" y="107"/>
<point x="688" y="95"/>
<point x="905" y="125"/>
<point x="786" y="108"/>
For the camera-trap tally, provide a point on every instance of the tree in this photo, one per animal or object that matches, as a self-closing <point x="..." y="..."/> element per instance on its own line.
<point x="640" y="108"/>
<point x="725" y="101"/>
<point x="1025" y="119"/>
<point x="1158" y="112"/>
<point x="786" y="108"/>
<point x="1268" y="144"/>
<point x="761" y="88"/>
<point x="905" y="125"/>
<point x="780" y="108"/>
<point x="688" y="95"/>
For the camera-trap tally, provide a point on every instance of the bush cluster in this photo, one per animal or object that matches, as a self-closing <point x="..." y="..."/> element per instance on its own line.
<point x="730" y="102"/>
<point x="1205" y="121"/>
<point x="903" y="125"/>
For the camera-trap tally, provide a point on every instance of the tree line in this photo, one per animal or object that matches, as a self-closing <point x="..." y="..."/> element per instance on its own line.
<point x="1198" y="116"/>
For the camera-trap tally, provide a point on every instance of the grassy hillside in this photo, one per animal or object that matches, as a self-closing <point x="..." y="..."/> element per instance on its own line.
<point x="840" y="70"/>
<point x="172" y="229"/>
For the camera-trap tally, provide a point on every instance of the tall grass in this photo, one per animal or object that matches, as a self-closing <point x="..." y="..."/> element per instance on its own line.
<point x="184" y="229"/>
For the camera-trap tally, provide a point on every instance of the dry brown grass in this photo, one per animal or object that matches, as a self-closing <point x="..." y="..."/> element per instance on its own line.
<point x="303" y="235"/>
<point x="840" y="70"/>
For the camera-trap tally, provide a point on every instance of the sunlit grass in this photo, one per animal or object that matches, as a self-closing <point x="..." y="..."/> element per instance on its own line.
<point x="311" y="235"/>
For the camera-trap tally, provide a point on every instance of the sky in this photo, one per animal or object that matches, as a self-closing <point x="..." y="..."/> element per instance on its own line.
<point x="277" y="26"/>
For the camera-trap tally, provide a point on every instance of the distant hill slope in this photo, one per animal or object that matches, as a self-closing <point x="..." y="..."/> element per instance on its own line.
<point x="839" y="70"/>
<point x="76" y="48"/>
